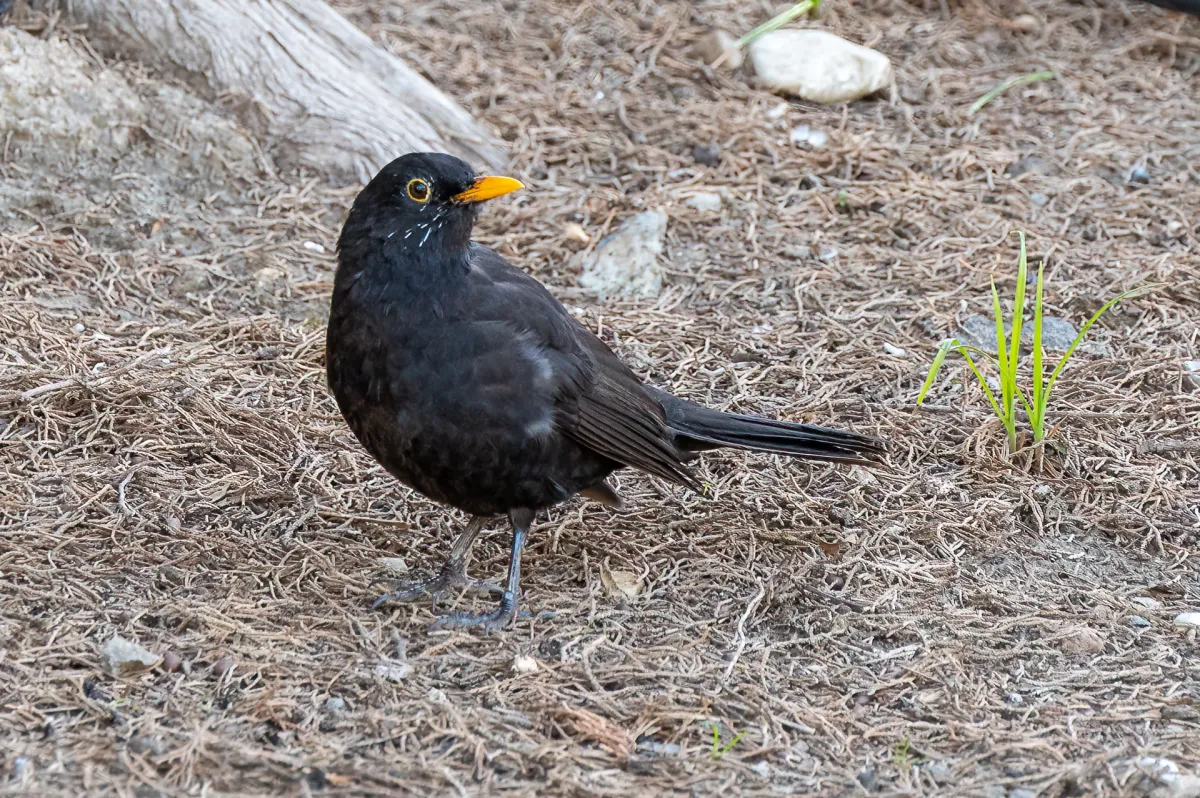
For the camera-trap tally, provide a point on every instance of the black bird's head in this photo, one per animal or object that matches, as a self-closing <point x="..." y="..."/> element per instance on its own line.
<point x="421" y="205"/>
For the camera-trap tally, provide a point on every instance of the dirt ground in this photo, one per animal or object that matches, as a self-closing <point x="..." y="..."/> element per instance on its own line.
<point x="175" y="471"/>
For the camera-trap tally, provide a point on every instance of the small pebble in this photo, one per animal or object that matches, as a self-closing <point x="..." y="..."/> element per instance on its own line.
<point x="223" y="666"/>
<point x="22" y="768"/>
<point x="706" y="154"/>
<point x="147" y="745"/>
<point x="1146" y="601"/>
<point x="1015" y="699"/>
<point x="1191" y="368"/>
<point x="313" y="246"/>
<point x="394" y="565"/>
<point x="123" y="657"/>
<point x="334" y="704"/>
<point x="1138" y="621"/>
<point x="704" y="201"/>
<point x="523" y="663"/>
<point x="659" y="749"/>
<point x="172" y="662"/>
<point x="1021" y="792"/>
<point x="894" y="350"/>
<point x="1138" y="174"/>
<point x="575" y="232"/>
<point x="803" y="134"/>
<point x="1038" y="198"/>
<point x="1026" y="23"/>
<point x="938" y="771"/>
<point x="78" y="328"/>
<point x="393" y="672"/>
<point x="1190" y="619"/>
<point x="762" y="769"/>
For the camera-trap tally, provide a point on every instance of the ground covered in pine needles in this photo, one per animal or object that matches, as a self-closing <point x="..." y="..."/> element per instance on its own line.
<point x="174" y="471"/>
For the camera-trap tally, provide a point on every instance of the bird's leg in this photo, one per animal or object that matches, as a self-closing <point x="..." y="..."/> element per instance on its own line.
<point x="502" y="616"/>
<point x="452" y="577"/>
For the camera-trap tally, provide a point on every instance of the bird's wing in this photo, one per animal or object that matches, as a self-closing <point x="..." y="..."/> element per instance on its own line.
<point x="600" y="402"/>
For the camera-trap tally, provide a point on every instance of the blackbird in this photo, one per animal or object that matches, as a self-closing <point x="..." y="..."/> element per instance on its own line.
<point x="472" y="385"/>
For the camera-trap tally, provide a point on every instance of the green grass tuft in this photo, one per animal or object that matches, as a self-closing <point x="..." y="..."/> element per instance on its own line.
<point x="718" y="750"/>
<point x="1036" y="402"/>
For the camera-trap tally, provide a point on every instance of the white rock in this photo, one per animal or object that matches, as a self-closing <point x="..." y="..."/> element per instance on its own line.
<point x="123" y="657"/>
<point x="777" y="112"/>
<point x="894" y="350"/>
<point x="1187" y="619"/>
<point x="1191" y="369"/>
<point x="704" y="201"/>
<point x="625" y="262"/>
<point x="313" y="246"/>
<point x="1026" y="23"/>
<point x="394" y="565"/>
<point x="393" y="672"/>
<point x="715" y="44"/>
<point x="803" y="134"/>
<point x="1146" y="601"/>
<point x="818" y="66"/>
<point x="523" y="663"/>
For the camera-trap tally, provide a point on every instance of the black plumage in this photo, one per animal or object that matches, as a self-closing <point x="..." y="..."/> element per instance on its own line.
<point x="470" y="383"/>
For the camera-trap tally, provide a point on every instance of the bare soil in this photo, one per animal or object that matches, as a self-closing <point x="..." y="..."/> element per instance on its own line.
<point x="174" y="470"/>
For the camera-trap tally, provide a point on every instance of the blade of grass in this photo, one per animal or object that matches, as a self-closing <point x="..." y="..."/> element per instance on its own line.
<point x="778" y="21"/>
<point x="1087" y="326"/>
<point x="1011" y="83"/>
<point x="1002" y="358"/>
<point x="982" y="382"/>
<point x="1037" y="413"/>
<point x="938" y="359"/>
<point x="1009" y="377"/>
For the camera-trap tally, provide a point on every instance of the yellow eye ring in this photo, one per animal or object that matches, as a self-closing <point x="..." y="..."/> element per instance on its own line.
<point x="418" y="190"/>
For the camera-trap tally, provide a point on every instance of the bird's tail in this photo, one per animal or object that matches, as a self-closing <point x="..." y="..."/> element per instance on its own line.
<point x="699" y="428"/>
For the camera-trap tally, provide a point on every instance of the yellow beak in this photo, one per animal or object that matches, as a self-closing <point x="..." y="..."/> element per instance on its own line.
<point x="486" y="188"/>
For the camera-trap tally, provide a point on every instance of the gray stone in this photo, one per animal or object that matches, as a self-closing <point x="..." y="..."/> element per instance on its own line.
<point x="1057" y="334"/>
<point x="938" y="771"/>
<point x="147" y="744"/>
<point x="1138" y="622"/>
<point x="704" y="201"/>
<point x="1191" y="370"/>
<point x="625" y="262"/>
<point x="1031" y="165"/>
<point x="123" y="657"/>
<point x="393" y="672"/>
<point x="706" y="154"/>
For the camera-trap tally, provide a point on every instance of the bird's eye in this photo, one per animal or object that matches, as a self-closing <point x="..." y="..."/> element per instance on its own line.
<point x="418" y="190"/>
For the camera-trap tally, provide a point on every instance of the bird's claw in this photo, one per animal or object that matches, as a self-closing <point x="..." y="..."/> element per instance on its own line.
<point x="451" y="579"/>
<point x="490" y="622"/>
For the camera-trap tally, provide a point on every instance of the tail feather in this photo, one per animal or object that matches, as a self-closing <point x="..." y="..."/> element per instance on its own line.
<point x="699" y="428"/>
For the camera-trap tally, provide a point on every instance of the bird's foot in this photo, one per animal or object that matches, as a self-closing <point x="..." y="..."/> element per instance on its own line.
<point x="490" y="622"/>
<point x="451" y="579"/>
